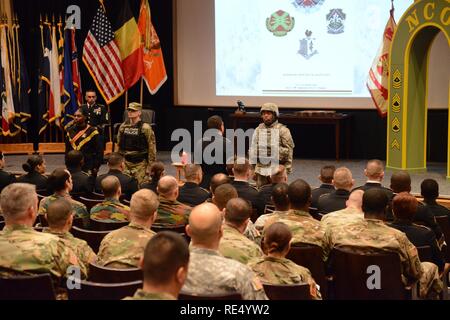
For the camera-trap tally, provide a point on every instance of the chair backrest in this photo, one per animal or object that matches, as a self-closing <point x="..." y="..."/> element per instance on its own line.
<point x="104" y="291"/>
<point x="163" y="227"/>
<point x="95" y="195"/>
<point x="310" y="256"/>
<point x="314" y="212"/>
<point x="213" y="296"/>
<point x="269" y="208"/>
<point x="93" y="238"/>
<point x="90" y="203"/>
<point x="2" y="225"/>
<point x="425" y="253"/>
<point x="287" y="291"/>
<point x="102" y="274"/>
<point x="444" y="223"/>
<point x="35" y="287"/>
<point x="362" y="276"/>
<point x="106" y="226"/>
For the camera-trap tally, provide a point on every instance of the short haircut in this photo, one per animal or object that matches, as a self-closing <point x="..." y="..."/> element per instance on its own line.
<point x="374" y="168"/>
<point x="205" y="222"/>
<point x="237" y="211"/>
<point x="400" y="182"/>
<point x="214" y="122"/>
<point x="32" y="163"/>
<point x="277" y="237"/>
<point x="74" y="159"/>
<point x="156" y="171"/>
<point x="83" y="112"/>
<point x="143" y="204"/>
<point x="110" y="186"/>
<point x="58" y="212"/>
<point x="164" y="255"/>
<point x="58" y="178"/>
<point x="115" y="159"/>
<point x="192" y="171"/>
<point x="278" y="174"/>
<point x="167" y="185"/>
<point x="342" y="178"/>
<point x="299" y="193"/>
<point x="404" y="206"/>
<point x="374" y="200"/>
<point x="217" y="180"/>
<point x="91" y="90"/>
<point x="327" y="173"/>
<point x="241" y="166"/>
<point x="223" y="194"/>
<point x="16" y="198"/>
<point x="429" y="189"/>
<point x="280" y="195"/>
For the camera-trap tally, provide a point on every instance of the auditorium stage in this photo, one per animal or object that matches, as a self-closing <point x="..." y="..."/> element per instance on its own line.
<point x="307" y="169"/>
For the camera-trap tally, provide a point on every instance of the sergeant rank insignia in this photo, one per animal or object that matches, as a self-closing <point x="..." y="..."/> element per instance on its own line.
<point x="336" y="19"/>
<point x="280" y="23"/>
<point x="307" y="48"/>
<point x="308" y="5"/>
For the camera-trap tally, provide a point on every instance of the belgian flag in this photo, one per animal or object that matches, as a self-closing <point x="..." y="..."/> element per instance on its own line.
<point x="128" y="39"/>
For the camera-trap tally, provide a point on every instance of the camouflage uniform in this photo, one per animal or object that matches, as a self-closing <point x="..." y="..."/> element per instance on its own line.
<point x="79" y="209"/>
<point x="172" y="213"/>
<point x="341" y="217"/>
<point x="137" y="160"/>
<point x="281" y="271"/>
<point x="261" y="221"/>
<point x="252" y="233"/>
<point x="262" y="145"/>
<point x="80" y="247"/>
<point x="110" y="210"/>
<point x="236" y="246"/>
<point x="209" y="272"/>
<point x="304" y="228"/>
<point x="142" y="295"/>
<point x="371" y="235"/>
<point x="123" y="248"/>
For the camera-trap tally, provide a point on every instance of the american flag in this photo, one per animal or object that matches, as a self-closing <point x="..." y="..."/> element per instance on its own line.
<point x="102" y="58"/>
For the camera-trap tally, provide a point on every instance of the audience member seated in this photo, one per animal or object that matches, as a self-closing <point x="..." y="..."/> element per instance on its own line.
<point x="304" y="228"/>
<point x="123" y="248"/>
<point x="326" y="177"/>
<point x="59" y="216"/>
<point x="23" y="250"/>
<point x="242" y="174"/>
<point x="217" y="180"/>
<point x="61" y="182"/>
<point x="190" y="193"/>
<point x="165" y="267"/>
<point x="374" y="172"/>
<point x="275" y="268"/>
<point x="170" y="211"/>
<point x="83" y="183"/>
<point x="335" y="200"/>
<point x="116" y="164"/>
<point x="404" y="207"/>
<point x="111" y="210"/>
<point x="210" y="272"/>
<point x="35" y="170"/>
<point x="401" y="182"/>
<point x="352" y="212"/>
<point x="234" y="244"/>
<point x="265" y="192"/>
<point x="6" y="178"/>
<point x="373" y="235"/>
<point x="429" y="189"/>
<point x="280" y="199"/>
<point x="157" y="171"/>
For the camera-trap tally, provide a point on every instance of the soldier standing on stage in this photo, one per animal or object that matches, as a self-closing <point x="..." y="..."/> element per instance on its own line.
<point x="97" y="114"/>
<point x="137" y="143"/>
<point x="85" y="138"/>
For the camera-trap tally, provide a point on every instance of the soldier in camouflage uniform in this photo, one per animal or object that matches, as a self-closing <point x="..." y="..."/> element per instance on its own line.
<point x="372" y="235"/>
<point x="24" y="251"/>
<point x="61" y="182"/>
<point x="59" y="217"/>
<point x="234" y="244"/>
<point x="353" y="212"/>
<point x="111" y="210"/>
<point x="304" y="228"/>
<point x="137" y="143"/>
<point x="269" y="138"/>
<point x="275" y="268"/>
<point x="170" y="211"/>
<point x="123" y="248"/>
<point x="165" y="265"/>
<point x="210" y="272"/>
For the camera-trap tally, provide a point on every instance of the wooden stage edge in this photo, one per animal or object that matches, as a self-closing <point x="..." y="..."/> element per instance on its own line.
<point x="44" y="148"/>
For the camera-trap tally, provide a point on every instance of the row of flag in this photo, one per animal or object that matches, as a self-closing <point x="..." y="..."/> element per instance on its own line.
<point x="117" y="55"/>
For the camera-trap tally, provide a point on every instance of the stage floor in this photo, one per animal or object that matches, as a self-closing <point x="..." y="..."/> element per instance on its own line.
<point x="307" y="169"/>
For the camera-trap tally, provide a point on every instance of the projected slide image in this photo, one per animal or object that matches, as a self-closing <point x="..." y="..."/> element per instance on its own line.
<point x="310" y="48"/>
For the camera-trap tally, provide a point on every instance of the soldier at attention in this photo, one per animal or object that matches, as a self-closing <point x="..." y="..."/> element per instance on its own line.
<point x="137" y="143"/>
<point x="271" y="145"/>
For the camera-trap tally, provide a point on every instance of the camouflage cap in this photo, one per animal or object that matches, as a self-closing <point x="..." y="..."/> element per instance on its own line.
<point x="135" y="106"/>
<point x="269" y="106"/>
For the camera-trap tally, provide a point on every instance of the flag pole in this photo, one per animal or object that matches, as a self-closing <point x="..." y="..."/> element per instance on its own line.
<point x="126" y="99"/>
<point x="142" y="91"/>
